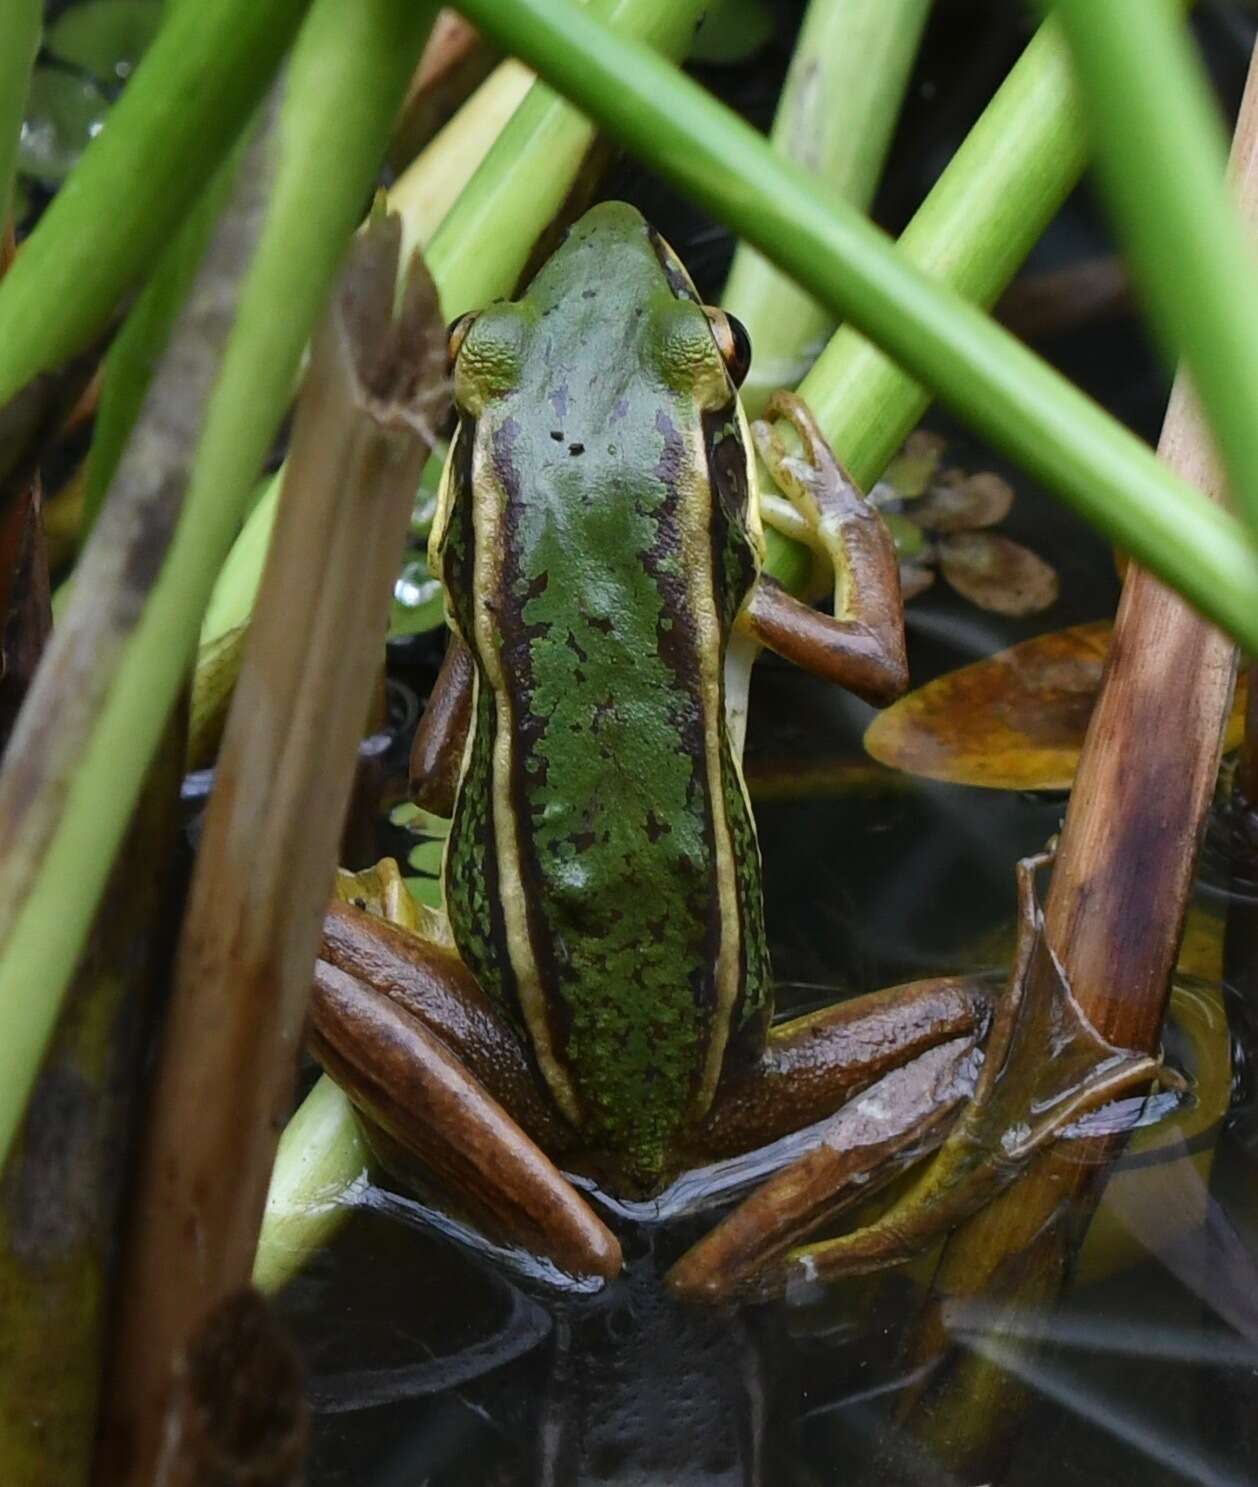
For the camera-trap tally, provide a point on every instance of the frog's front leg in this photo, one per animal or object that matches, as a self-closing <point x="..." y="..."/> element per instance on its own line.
<point x="1016" y="1102"/>
<point x="403" y="1027"/>
<point x="862" y="645"/>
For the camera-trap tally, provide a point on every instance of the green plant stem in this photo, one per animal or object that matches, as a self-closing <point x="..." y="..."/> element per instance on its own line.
<point x="978" y="369"/>
<point x="346" y="75"/>
<point x="982" y="217"/>
<point x="485" y="243"/>
<point x="1160" y="155"/>
<point x="321" y="1158"/>
<point x="20" y="22"/>
<point x="196" y="87"/>
<point x="836" y="116"/>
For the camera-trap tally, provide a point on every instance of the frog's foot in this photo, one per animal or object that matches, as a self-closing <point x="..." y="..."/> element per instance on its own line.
<point x="1020" y="1100"/>
<point x="862" y="646"/>
<point x="402" y="1026"/>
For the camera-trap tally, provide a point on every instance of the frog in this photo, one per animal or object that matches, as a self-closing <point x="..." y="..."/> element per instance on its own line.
<point x="595" y="1010"/>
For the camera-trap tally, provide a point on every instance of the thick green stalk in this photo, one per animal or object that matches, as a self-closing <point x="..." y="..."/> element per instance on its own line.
<point x="197" y="86"/>
<point x="20" y="22"/>
<point x="483" y="246"/>
<point x="982" y="217"/>
<point x="1160" y="154"/>
<point x="978" y="369"/>
<point x="321" y="1157"/>
<point x="836" y="116"/>
<point x="346" y="76"/>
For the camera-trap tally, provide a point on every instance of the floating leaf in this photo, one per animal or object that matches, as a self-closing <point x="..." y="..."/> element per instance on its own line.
<point x="63" y="112"/>
<point x="105" y="37"/>
<point x="997" y="573"/>
<point x="958" y="502"/>
<point x="1012" y="722"/>
<point x="732" y="31"/>
<point x="1015" y="721"/>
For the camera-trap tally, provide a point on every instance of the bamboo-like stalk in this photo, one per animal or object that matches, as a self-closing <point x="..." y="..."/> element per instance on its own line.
<point x="1159" y="151"/>
<point x="1113" y="919"/>
<point x="265" y="866"/>
<point x="836" y="115"/>
<point x="978" y="369"/>
<point x="342" y="84"/>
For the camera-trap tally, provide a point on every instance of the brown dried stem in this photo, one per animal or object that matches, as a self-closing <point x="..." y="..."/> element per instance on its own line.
<point x="267" y="857"/>
<point x="1113" y="918"/>
<point x="62" y="1185"/>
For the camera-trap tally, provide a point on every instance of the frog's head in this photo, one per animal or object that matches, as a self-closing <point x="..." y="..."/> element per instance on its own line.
<point x="613" y="292"/>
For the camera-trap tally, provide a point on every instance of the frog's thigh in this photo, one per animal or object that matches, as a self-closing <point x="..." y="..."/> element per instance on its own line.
<point x="406" y="1081"/>
<point x="811" y="1065"/>
<point x="438" y="748"/>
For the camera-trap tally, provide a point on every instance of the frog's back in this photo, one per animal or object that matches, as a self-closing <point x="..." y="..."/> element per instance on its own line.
<point x="603" y="833"/>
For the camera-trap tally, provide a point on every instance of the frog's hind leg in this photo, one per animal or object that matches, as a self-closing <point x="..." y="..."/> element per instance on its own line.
<point x="437" y="752"/>
<point x="862" y="646"/>
<point x="1020" y="1099"/>
<point x="422" y="1102"/>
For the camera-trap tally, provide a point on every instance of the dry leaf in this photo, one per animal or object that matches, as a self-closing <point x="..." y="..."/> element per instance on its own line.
<point x="1014" y="721"/>
<point x="958" y="502"/>
<point x="997" y="573"/>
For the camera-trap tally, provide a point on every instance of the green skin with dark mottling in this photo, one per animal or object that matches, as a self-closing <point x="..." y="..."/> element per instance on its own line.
<point x="596" y="544"/>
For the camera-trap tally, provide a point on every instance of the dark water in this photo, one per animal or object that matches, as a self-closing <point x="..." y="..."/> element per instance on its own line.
<point x="429" y="1368"/>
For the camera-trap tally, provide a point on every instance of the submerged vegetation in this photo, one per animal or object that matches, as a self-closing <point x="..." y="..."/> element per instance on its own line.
<point x="491" y="1036"/>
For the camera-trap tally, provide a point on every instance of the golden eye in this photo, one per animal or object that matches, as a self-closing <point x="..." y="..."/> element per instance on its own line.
<point x="456" y="335"/>
<point x="732" y="341"/>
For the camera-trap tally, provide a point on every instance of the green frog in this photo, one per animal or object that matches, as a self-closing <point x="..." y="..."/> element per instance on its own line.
<point x="599" y="999"/>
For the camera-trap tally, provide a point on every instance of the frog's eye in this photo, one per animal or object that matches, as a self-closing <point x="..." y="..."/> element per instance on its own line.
<point x="456" y="335"/>
<point x="732" y="342"/>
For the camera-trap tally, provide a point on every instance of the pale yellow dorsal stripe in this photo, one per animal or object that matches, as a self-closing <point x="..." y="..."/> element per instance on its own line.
<point x="700" y="579"/>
